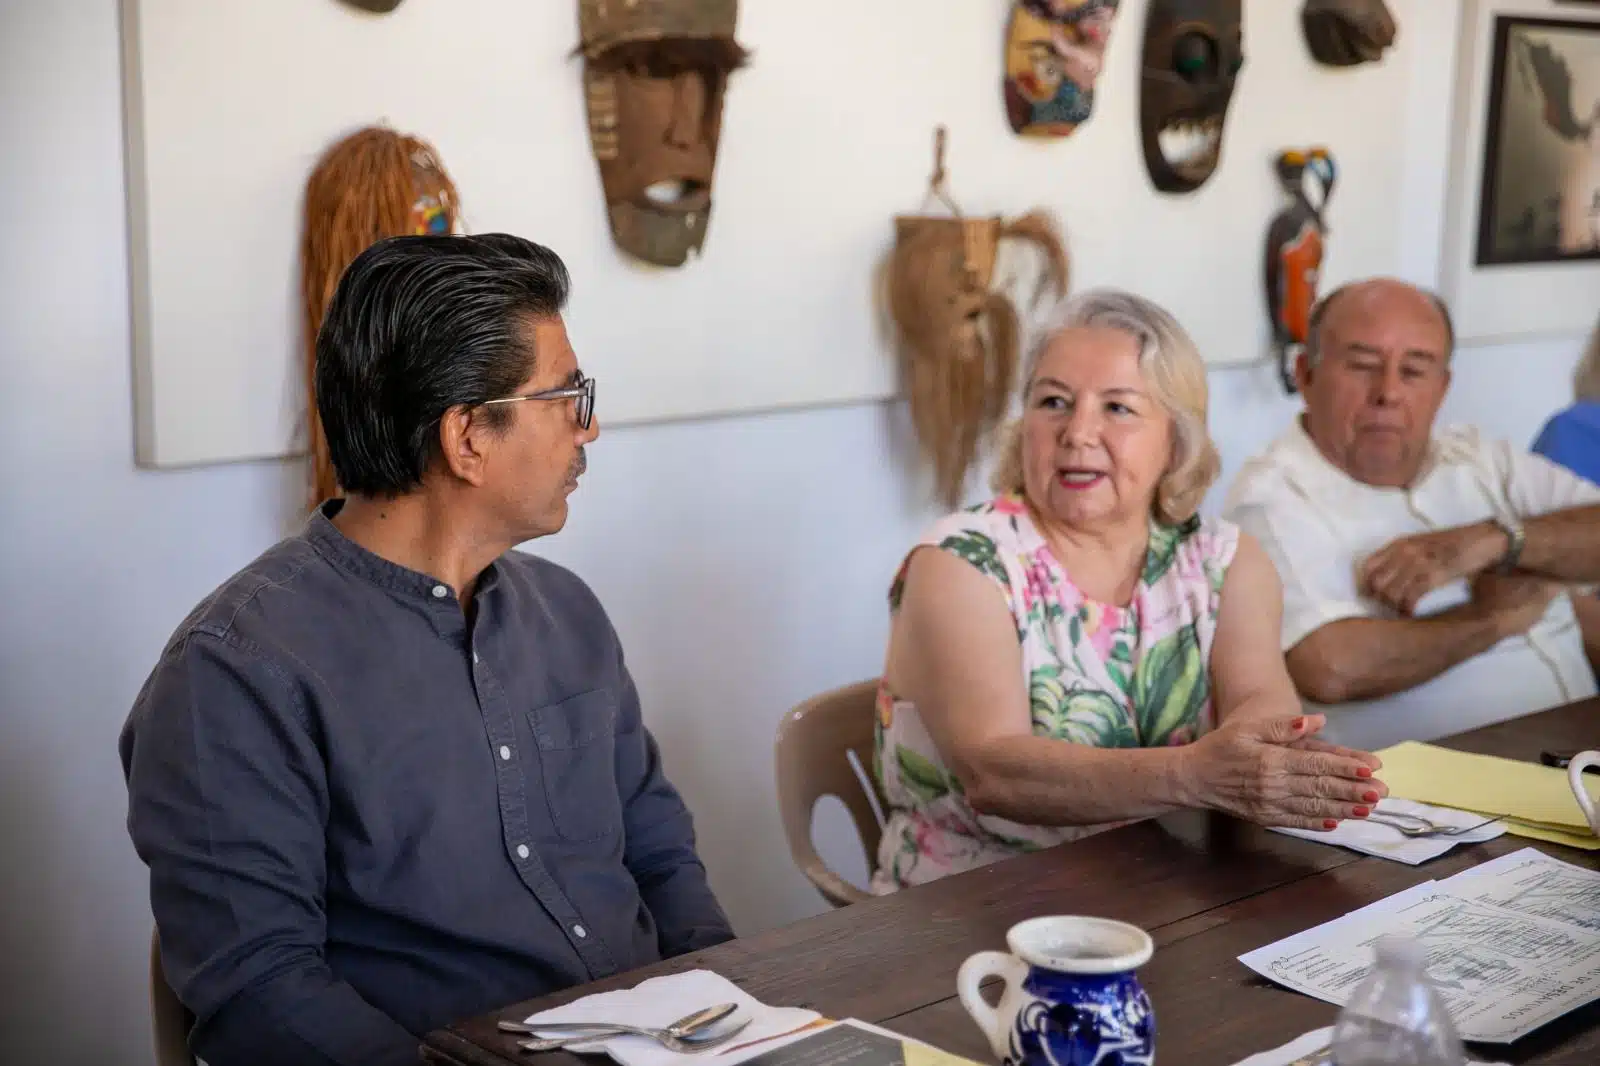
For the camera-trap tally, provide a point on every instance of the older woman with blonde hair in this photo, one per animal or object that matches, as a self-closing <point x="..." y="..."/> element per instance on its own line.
<point x="1572" y="435"/>
<point x="1085" y="649"/>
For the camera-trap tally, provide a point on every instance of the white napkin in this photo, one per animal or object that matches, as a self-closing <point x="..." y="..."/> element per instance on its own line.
<point x="1302" y="1052"/>
<point x="1387" y="842"/>
<point x="663" y="1000"/>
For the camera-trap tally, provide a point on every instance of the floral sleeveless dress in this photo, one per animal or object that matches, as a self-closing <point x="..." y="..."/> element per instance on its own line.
<point x="1097" y="674"/>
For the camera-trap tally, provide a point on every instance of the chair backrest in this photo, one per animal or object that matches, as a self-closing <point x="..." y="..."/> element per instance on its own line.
<point x="171" y="1018"/>
<point x="813" y="746"/>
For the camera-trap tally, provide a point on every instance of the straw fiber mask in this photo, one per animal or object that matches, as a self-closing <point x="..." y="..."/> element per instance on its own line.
<point x="957" y="334"/>
<point x="655" y="74"/>
<point x="1193" y="51"/>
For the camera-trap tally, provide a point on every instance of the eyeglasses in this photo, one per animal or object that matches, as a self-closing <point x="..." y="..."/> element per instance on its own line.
<point x="582" y="391"/>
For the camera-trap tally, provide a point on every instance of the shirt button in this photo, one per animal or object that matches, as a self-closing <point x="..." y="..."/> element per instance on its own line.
<point x="522" y="851"/>
<point x="505" y="753"/>
<point x="580" y="932"/>
<point x="440" y="592"/>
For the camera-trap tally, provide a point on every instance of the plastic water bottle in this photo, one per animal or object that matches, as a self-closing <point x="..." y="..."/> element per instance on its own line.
<point x="1395" y="1016"/>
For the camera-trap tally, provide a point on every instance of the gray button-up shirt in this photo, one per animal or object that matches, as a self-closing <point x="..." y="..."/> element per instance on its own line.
<point x="367" y="814"/>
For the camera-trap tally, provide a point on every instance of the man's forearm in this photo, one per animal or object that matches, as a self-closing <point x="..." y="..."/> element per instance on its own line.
<point x="1563" y="545"/>
<point x="304" y="1020"/>
<point x="1367" y="658"/>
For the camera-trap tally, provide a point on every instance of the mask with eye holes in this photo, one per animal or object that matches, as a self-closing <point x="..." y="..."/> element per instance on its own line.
<point x="1193" y="52"/>
<point x="654" y="76"/>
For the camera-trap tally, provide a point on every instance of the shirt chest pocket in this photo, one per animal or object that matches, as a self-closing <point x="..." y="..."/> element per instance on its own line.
<point x="576" y="739"/>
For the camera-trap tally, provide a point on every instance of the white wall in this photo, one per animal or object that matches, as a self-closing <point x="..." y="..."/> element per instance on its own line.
<point x="786" y="547"/>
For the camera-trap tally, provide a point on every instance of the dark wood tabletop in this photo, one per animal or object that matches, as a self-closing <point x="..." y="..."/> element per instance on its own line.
<point x="1207" y="888"/>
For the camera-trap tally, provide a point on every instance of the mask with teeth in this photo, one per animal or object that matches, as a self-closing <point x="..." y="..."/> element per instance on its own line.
<point x="654" y="76"/>
<point x="957" y="337"/>
<point x="1054" y="52"/>
<point x="1193" y="51"/>
<point x="1346" y="33"/>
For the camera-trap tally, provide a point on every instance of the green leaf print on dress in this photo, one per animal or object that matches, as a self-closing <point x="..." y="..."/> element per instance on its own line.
<point x="1081" y="715"/>
<point x="1170" y="687"/>
<point x="980" y="551"/>
<point x="920" y="776"/>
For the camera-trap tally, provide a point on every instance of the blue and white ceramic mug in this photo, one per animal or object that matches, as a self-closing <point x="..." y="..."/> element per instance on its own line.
<point x="1071" y="996"/>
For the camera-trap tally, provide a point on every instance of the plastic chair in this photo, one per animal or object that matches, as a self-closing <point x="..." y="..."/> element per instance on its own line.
<point x="171" y="1018"/>
<point x="814" y="745"/>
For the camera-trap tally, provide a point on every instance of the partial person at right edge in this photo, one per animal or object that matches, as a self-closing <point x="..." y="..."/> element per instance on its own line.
<point x="1431" y="578"/>
<point x="1572" y="435"/>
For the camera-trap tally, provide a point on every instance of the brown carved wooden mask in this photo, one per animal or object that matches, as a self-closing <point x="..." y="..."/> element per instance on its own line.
<point x="377" y="7"/>
<point x="1193" y="52"/>
<point x="1345" y="33"/>
<point x="654" y="76"/>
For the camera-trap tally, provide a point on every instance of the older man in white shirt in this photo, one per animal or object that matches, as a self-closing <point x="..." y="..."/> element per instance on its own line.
<point x="1433" y="582"/>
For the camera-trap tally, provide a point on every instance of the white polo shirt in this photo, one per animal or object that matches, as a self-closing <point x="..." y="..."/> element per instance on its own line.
<point x="1317" y="523"/>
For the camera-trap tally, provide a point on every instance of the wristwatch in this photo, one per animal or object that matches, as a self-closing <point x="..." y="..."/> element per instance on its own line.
<point x="1514" y="540"/>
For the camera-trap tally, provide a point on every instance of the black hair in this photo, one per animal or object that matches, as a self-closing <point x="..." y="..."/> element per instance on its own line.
<point x="418" y="325"/>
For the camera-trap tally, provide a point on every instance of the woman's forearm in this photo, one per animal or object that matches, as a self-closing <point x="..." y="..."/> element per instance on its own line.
<point x="1042" y="781"/>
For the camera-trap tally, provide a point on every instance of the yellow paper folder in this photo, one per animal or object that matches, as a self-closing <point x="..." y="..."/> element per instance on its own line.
<point x="1535" y="800"/>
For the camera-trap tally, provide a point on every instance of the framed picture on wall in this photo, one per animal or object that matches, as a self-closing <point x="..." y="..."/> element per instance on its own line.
<point x="1540" y="198"/>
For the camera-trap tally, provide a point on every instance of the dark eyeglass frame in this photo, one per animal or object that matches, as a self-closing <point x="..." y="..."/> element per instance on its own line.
<point x="582" y="391"/>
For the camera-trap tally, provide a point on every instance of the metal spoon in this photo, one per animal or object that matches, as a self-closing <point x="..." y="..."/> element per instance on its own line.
<point x="684" y="1029"/>
<point x="693" y="1045"/>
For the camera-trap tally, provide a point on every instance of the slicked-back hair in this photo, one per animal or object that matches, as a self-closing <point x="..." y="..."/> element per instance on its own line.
<point x="419" y="325"/>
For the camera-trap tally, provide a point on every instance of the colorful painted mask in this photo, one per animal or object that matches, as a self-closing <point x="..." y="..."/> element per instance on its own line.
<point x="373" y="184"/>
<point x="1346" y="33"/>
<point x="1054" y="52"/>
<point x="1295" y="242"/>
<point x="957" y="338"/>
<point x="1193" y="51"/>
<point x="655" y="72"/>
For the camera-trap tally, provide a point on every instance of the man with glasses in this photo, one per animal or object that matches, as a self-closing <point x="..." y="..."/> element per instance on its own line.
<point x="393" y="773"/>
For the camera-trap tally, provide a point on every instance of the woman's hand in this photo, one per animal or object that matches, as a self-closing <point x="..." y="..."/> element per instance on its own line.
<point x="1272" y="770"/>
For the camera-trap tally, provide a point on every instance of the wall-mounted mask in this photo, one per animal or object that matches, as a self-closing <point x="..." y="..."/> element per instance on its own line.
<point x="375" y="183"/>
<point x="655" y="72"/>
<point x="958" y="337"/>
<point x="1054" y="52"/>
<point x="1295" y="244"/>
<point x="377" y="7"/>
<point x="1193" y="52"/>
<point x="1346" y="33"/>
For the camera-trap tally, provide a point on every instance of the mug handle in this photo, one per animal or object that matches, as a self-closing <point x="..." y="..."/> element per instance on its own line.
<point x="973" y="973"/>
<point x="1575" y="768"/>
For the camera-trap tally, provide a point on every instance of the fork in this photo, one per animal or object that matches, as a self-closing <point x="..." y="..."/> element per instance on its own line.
<point x="1405" y="823"/>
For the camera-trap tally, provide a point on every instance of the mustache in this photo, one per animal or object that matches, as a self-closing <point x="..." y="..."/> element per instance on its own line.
<point x="579" y="465"/>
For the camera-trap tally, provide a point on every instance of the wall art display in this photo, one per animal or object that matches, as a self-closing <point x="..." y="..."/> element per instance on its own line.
<point x="958" y="334"/>
<point x="1294" y="252"/>
<point x="1193" y="53"/>
<point x="1347" y="33"/>
<point x="1054" y="53"/>
<point x="655" y="75"/>
<point x="1541" y="158"/>
<point x="372" y="184"/>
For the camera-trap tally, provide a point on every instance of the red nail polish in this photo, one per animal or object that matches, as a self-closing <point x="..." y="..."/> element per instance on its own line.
<point x="1362" y="812"/>
<point x="1370" y="797"/>
<point x="1330" y="824"/>
<point x="1363" y="771"/>
<point x="1299" y="723"/>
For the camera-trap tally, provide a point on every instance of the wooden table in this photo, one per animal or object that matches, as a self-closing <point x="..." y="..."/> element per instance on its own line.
<point x="1207" y="888"/>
